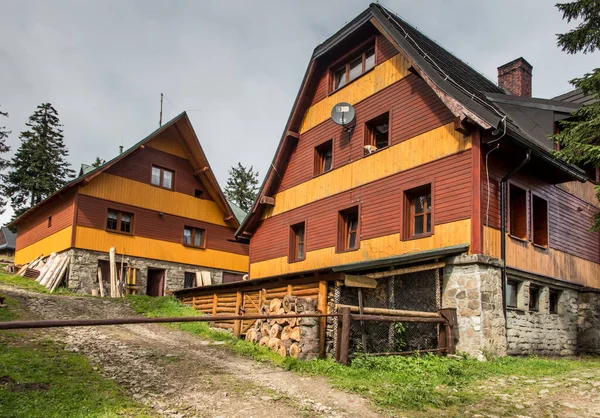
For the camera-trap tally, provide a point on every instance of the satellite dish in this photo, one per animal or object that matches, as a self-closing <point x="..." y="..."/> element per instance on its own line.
<point x="343" y="113"/>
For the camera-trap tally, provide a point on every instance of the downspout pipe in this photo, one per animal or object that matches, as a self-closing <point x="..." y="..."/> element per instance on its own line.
<point x="503" y="226"/>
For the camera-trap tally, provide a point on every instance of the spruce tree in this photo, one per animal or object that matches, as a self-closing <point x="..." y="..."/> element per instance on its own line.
<point x="3" y="163"/>
<point x="242" y="186"/>
<point x="39" y="167"/>
<point x="98" y="162"/>
<point x="579" y="137"/>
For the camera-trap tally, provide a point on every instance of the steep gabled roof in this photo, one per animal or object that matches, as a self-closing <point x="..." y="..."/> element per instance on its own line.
<point x="10" y="239"/>
<point x="183" y="126"/>
<point x="462" y="89"/>
<point x="577" y="96"/>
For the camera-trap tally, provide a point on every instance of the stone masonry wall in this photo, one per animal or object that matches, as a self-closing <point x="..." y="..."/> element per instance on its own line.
<point x="588" y="324"/>
<point x="83" y="276"/>
<point x="473" y="285"/>
<point x="540" y="332"/>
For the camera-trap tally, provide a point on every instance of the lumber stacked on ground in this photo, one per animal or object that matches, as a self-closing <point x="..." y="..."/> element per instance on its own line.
<point x="51" y="272"/>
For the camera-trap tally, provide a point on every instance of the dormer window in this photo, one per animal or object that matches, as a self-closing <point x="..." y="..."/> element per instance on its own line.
<point x="353" y="68"/>
<point x="162" y="177"/>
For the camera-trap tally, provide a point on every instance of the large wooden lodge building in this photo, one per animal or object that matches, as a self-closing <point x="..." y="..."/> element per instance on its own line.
<point x="411" y="192"/>
<point x="158" y="204"/>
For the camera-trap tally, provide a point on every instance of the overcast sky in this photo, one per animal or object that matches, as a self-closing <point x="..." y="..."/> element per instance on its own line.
<point x="236" y="66"/>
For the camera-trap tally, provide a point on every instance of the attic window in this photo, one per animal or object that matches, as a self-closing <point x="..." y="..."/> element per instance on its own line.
<point x="377" y="133"/>
<point x="199" y="193"/>
<point x="162" y="177"/>
<point x="353" y="68"/>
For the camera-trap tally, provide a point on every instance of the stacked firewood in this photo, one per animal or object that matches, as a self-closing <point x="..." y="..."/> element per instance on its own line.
<point x="282" y="335"/>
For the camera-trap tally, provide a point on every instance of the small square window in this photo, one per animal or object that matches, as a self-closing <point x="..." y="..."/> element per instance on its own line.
<point x="419" y="211"/>
<point x="297" y="242"/>
<point x="518" y="211"/>
<point x="199" y="193"/>
<point x="194" y="237"/>
<point x="512" y="288"/>
<point x="534" y="298"/>
<point x="323" y="157"/>
<point x="539" y="220"/>
<point x="348" y="234"/>
<point x="553" y="298"/>
<point x="377" y="135"/>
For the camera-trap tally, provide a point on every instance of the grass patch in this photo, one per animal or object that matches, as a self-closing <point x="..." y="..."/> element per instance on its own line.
<point x="31" y="285"/>
<point x="395" y="383"/>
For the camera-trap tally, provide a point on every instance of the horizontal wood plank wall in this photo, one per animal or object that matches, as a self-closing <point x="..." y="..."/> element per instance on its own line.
<point x="381" y="208"/>
<point x="419" y="150"/>
<point x="148" y="224"/>
<point x="380" y="77"/>
<point x="138" y="166"/>
<point x="453" y="233"/>
<point x="133" y="193"/>
<point x="551" y="262"/>
<point x="569" y="226"/>
<point x="169" y="142"/>
<point x="99" y="240"/>
<point x="59" y="241"/>
<point x="384" y="51"/>
<point x="414" y="109"/>
<point x="35" y="227"/>
<point x="585" y="191"/>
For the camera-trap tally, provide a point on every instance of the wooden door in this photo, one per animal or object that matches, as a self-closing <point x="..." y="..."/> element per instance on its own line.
<point x="156" y="282"/>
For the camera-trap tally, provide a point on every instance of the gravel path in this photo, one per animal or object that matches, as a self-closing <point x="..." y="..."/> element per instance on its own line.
<point x="179" y="375"/>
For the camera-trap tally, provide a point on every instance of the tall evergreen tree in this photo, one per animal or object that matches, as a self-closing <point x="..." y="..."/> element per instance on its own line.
<point x="579" y="138"/>
<point x="98" y="162"/>
<point x="39" y="167"/>
<point x="3" y="163"/>
<point x="242" y="186"/>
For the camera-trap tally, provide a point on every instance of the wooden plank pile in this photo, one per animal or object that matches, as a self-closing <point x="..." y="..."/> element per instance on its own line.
<point x="52" y="271"/>
<point x="282" y="335"/>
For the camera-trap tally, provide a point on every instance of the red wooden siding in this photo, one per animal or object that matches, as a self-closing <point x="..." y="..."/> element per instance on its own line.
<point x="147" y="223"/>
<point x="385" y="50"/>
<point x="138" y="166"/>
<point x="414" y="109"/>
<point x="35" y="227"/>
<point x="381" y="207"/>
<point x="569" y="227"/>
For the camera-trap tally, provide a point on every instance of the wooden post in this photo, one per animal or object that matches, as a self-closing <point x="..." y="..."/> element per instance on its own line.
<point x="100" y="284"/>
<point x="237" y="325"/>
<point x="113" y="271"/>
<point x="450" y="315"/>
<point x="345" y="339"/>
<point x="442" y="338"/>
<point x="322" y="308"/>
<point x="362" y="323"/>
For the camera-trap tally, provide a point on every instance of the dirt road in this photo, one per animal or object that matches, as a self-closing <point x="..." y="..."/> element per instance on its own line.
<point x="179" y="375"/>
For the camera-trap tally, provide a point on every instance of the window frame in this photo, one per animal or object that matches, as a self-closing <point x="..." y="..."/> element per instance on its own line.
<point x="194" y="229"/>
<point x="318" y="163"/>
<point x="515" y="284"/>
<point x="118" y="225"/>
<point x="199" y="195"/>
<point x="346" y="59"/>
<point x="538" y="289"/>
<point x="533" y="196"/>
<point x="342" y="228"/>
<point x="511" y="233"/>
<point x="294" y="243"/>
<point x="558" y="294"/>
<point x="408" y="214"/>
<point x="369" y="137"/>
<point x="184" y="279"/>
<point x="162" y="177"/>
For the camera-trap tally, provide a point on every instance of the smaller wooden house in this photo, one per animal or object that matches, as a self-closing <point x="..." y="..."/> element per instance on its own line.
<point x="158" y="204"/>
<point x="7" y="242"/>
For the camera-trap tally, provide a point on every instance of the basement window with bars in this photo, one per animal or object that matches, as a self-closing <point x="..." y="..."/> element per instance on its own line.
<point x="517" y="205"/>
<point x="353" y="68"/>
<point x="539" y="220"/>
<point x="118" y="221"/>
<point x="297" y="242"/>
<point x="194" y="237"/>
<point x="348" y="229"/>
<point x="419" y="211"/>
<point x="377" y="135"/>
<point x="323" y="157"/>
<point x="162" y="177"/>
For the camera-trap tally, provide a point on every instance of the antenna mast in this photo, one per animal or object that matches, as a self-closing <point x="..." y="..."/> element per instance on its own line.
<point x="161" y="102"/>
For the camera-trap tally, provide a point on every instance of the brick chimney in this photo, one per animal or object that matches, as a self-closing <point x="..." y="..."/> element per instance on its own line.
<point x="515" y="77"/>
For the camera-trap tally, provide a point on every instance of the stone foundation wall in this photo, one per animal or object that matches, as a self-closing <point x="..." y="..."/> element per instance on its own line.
<point x="540" y="332"/>
<point x="588" y="323"/>
<point x="473" y="285"/>
<point x="83" y="271"/>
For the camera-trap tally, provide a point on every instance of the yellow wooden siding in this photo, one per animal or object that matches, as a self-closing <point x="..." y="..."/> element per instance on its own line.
<point x="99" y="240"/>
<point x="421" y="149"/>
<point x="134" y="193"/>
<point x="54" y="243"/>
<point x="585" y="191"/>
<point x="168" y="144"/>
<point x="452" y="233"/>
<point x="377" y="79"/>
<point x="549" y="262"/>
